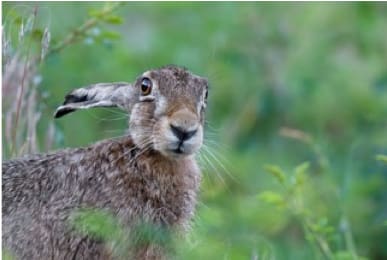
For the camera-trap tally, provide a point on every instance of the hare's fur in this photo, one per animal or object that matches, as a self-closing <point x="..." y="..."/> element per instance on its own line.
<point x="129" y="178"/>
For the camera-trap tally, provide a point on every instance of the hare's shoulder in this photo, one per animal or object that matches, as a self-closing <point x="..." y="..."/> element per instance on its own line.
<point x="30" y="165"/>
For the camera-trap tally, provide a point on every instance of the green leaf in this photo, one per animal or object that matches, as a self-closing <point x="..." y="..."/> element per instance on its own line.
<point x="37" y="34"/>
<point x="300" y="173"/>
<point x="382" y="158"/>
<point x="95" y="13"/>
<point x="18" y="20"/>
<point x="276" y="171"/>
<point x="97" y="223"/>
<point x="302" y="168"/>
<point x="113" y="19"/>
<point x="6" y="255"/>
<point x="271" y="197"/>
<point x="322" y="226"/>
<point x="149" y="233"/>
<point x="110" y="35"/>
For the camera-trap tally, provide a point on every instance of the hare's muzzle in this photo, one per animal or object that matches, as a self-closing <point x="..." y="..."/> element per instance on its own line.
<point x="182" y="133"/>
<point x="182" y="136"/>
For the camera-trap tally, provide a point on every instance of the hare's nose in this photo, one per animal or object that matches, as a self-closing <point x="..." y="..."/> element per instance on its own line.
<point x="181" y="133"/>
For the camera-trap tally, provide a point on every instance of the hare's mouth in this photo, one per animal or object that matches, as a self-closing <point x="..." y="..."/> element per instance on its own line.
<point x="178" y="150"/>
<point x="178" y="135"/>
<point x="181" y="149"/>
<point x="174" y="146"/>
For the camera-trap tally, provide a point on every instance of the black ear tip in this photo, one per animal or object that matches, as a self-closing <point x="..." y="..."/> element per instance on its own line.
<point x="73" y="98"/>
<point x="61" y="111"/>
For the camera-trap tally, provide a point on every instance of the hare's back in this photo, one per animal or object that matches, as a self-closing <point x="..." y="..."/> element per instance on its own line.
<point x="39" y="194"/>
<point x="46" y="179"/>
<point x="28" y="179"/>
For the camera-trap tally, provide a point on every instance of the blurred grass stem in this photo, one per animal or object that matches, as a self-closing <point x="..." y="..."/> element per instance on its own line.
<point x="76" y="35"/>
<point x="21" y="90"/>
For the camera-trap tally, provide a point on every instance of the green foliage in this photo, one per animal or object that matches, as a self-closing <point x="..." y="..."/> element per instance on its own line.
<point x="147" y="233"/>
<point x="97" y="223"/>
<point x="317" y="229"/>
<point x="5" y="255"/>
<point x="104" y="226"/>
<point x="288" y="84"/>
<point x="272" y="198"/>
<point x="382" y="158"/>
<point x="276" y="172"/>
<point x="26" y="46"/>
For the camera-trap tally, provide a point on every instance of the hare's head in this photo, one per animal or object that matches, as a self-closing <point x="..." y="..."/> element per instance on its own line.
<point x="166" y="105"/>
<point x="169" y="113"/>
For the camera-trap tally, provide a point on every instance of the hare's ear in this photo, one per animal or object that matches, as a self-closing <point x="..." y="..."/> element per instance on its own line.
<point x="119" y="94"/>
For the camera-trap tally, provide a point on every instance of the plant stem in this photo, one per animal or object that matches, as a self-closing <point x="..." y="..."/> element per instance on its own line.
<point x="305" y="221"/>
<point x="19" y="98"/>
<point x="321" y="243"/>
<point x="81" y="30"/>
<point x="349" y="238"/>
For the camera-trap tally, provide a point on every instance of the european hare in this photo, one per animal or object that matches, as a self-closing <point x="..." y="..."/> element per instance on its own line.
<point x="149" y="175"/>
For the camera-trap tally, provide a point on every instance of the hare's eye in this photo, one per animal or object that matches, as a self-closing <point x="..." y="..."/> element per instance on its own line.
<point x="146" y="86"/>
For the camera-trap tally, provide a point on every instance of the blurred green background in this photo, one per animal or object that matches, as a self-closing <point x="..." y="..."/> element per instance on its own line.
<point x="289" y="83"/>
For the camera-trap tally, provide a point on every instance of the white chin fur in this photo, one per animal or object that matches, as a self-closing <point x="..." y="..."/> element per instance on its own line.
<point x="168" y="144"/>
<point x="172" y="149"/>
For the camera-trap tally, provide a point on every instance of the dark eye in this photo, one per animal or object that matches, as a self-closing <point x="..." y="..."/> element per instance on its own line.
<point x="146" y="86"/>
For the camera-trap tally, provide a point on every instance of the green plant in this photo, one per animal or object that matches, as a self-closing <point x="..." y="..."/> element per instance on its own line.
<point x="102" y="225"/>
<point x="318" y="230"/>
<point x="382" y="158"/>
<point x="26" y="47"/>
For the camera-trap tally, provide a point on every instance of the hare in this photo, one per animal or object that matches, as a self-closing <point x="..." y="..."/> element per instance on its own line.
<point x="148" y="176"/>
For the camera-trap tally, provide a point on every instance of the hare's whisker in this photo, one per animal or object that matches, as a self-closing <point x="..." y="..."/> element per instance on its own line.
<point x="213" y="167"/>
<point x="115" y="111"/>
<point x="211" y="154"/>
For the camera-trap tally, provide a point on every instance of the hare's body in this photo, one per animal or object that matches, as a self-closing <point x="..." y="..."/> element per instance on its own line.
<point x="41" y="193"/>
<point x="148" y="176"/>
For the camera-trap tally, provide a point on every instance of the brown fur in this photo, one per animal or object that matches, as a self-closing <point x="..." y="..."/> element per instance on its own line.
<point x="131" y="179"/>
